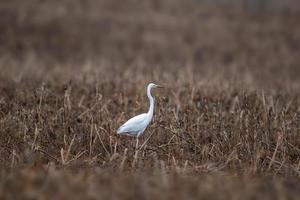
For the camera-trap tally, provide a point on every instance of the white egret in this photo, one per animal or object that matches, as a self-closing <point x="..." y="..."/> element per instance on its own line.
<point x="137" y="125"/>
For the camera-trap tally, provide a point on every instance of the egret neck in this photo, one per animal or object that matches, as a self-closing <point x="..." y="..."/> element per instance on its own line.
<point x="151" y="102"/>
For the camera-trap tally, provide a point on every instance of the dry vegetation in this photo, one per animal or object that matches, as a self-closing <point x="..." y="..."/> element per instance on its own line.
<point x="226" y="126"/>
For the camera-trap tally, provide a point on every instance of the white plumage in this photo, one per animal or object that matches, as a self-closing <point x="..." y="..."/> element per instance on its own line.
<point x="137" y="125"/>
<point x="134" y="126"/>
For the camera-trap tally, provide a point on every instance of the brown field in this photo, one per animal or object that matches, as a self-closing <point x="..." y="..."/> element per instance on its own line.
<point x="226" y="126"/>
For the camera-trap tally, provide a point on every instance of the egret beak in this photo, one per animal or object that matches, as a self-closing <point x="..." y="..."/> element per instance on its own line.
<point x="159" y="86"/>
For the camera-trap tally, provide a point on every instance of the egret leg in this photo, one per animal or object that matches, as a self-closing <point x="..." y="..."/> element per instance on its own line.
<point x="137" y="142"/>
<point x="143" y="144"/>
<point x="136" y="152"/>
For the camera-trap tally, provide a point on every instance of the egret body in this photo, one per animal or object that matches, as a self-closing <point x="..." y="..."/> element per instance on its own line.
<point x="137" y="125"/>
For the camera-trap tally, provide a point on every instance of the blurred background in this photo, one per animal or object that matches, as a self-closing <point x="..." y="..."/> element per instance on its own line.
<point x="253" y="41"/>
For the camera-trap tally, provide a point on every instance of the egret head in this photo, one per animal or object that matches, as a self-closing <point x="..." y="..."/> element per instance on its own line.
<point x="152" y="85"/>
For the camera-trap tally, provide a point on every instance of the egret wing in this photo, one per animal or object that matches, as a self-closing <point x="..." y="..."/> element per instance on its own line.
<point x="134" y="125"/>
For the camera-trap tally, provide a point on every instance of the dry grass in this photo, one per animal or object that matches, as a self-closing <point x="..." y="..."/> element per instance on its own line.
<point x="226" y="126"/>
